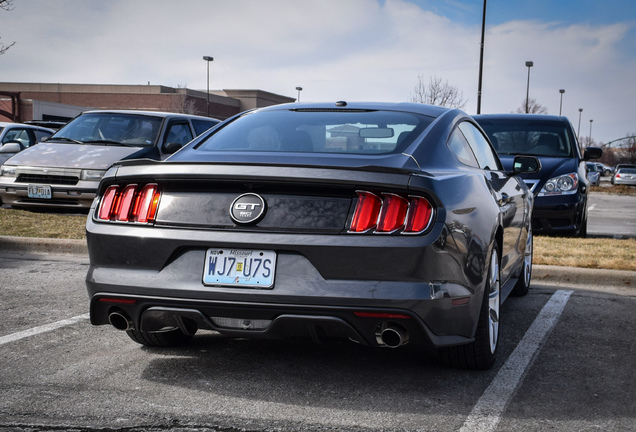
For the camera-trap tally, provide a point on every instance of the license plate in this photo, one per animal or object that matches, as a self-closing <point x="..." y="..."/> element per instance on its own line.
<point x="39" y="191"/>
<point x="239" y="267"/>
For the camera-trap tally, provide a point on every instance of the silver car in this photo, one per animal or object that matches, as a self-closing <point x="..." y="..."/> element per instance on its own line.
<point x="64" y="171"/>
<point x="593" y="174"/>
<point x="625" y="176"/>
<point x="15" y="137"/>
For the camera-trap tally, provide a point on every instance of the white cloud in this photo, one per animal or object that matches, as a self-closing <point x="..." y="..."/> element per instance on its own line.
<point x="355" y="50"/>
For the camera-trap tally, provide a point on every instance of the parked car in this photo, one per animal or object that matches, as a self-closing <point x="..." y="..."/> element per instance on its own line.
<point x="593" y="174"/>
<point x="561" y="187"/>
<point x="604" y="169"/>
<point x="619" y="167"/>
<point x="15" y="137"/>
<point x="385" y="224"/>
<point x="64" y="172"/>
<point x="626" y="176"/>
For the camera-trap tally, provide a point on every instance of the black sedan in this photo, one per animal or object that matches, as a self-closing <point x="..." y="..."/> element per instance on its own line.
<point x="561" y="188"/>
<point x="386" y="224"/>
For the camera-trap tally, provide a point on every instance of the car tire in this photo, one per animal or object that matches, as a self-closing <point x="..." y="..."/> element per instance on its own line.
<point x="168" y="338"/>
<point x="481" y="353"/>
<point x="523" y="283"/>
<point x="583" y="229"/>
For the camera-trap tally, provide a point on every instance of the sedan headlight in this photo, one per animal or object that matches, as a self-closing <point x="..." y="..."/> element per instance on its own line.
<point x="7" y="170"/>
<point x="92" y="174"/>
<point x="562" y="185"/>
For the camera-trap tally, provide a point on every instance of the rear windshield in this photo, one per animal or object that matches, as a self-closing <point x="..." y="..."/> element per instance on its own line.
<point x="319" y="131"/>
<point x="126" y="129"/>
<point x="536" y="138"/>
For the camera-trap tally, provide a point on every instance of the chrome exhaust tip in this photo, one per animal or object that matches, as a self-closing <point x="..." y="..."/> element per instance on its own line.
<point x="120" y="321"/>
<point x="391" y="335"/>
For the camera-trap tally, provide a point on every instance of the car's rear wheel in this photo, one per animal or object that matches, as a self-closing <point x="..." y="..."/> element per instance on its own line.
<point x="480" y="354"/>
<point x="168" y="338"/>
<point x="523" y="284"/>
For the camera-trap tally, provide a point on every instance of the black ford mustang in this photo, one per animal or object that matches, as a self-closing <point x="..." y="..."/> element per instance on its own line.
<point x="383" y="223"/>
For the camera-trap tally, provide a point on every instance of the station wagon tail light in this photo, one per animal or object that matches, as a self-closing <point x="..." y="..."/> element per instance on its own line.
<point x="129" y="203"/>
<point x="388" y="213"/>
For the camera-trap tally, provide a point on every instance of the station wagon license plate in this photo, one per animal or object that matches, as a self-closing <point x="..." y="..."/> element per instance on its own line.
<point x="239" y="267"/>
<point x="39" y="191"/>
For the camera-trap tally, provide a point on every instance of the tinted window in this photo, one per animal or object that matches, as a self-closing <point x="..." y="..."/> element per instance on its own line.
<point x="537" y="138"/>
<point x="486" y="157"/>
<point x="319" y="131"/>
<point x="179" y="133"/>
<point x="201" y="126"/>
<point x="459" y="146"/>
<point x="39" y="134"/>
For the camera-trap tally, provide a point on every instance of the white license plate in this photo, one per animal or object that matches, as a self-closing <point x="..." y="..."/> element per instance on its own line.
<point x="39" y="191"/>
<point x="239" y="267"/>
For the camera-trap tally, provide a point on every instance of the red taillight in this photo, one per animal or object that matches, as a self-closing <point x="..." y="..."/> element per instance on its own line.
<point x="146" y="205"/>
<point x="391" y="213"/>
<point x="420" y="214"/>
<point x="381" y="315"/>
<point x="129" y="203"/>
<point x="107" y="203"/>
<point x="117" y="300"/>
<point x="367" y="211"/>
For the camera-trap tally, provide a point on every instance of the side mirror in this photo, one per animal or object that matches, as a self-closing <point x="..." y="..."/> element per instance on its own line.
<point x="526" y="165"/>
<point x="171" y="147"/>
<point x="592" y="153"/>
<point x="11" y="147"/>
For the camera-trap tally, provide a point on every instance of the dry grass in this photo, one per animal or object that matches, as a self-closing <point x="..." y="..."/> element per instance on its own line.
<point x="599" y="253"/>
<point x="572" y="252"/>
<point x="23" y="223"/>
<point x="615" y="189"/>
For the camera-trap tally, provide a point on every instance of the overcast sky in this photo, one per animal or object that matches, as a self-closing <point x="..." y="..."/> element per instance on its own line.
<point x="362" y="50"/>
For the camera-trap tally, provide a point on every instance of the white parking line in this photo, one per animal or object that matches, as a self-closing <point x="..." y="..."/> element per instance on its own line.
<point x="487" y="412"/>
<point x="41" y="329"/>
<point x="592" y="207"/>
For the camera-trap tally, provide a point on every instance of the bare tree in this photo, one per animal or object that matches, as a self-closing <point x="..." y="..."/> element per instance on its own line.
<point x="534" y="107"/>
<point x="437" y="92"/>
<point x="180" y="103"/>
<point x="630" y="149"/>
<point x="7" y="5"/>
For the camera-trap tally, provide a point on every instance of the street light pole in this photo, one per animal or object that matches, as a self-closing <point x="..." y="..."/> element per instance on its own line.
<point x="481" y="58"/>
<point x="299" y="90"/>
<point x="591" y="131"/>
<point x="561" y="103"/>
<point x="529" y="64"/>
<point x="578" y="132"/>
<point x="208" y="59"/>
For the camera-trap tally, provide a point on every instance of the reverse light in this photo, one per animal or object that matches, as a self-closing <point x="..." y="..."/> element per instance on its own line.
<point x="388" y="213"/>
<point x="562" y="185"/>
<point x="129" y="203"/>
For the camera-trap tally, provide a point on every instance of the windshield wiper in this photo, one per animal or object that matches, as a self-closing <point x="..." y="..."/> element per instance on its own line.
<point x="108" y="142"/>
<point x="65" y="139"/>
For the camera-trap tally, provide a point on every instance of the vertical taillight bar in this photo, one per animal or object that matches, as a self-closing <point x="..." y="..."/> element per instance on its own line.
<point x="393" y="214"/>
<point x="420" y="215"/>
<point x="125" y="203"/>
<point x="366" y="213"/>
<point x="146" y="204"/>
<point x="107" y="202"/>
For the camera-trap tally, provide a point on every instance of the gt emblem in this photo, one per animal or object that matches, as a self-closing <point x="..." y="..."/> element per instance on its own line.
<point x="248" y="208"/>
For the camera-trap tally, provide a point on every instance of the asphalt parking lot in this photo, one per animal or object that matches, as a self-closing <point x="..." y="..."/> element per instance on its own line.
<point x="566" y="363"/>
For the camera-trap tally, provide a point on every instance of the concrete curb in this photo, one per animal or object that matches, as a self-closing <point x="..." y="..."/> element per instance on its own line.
<point x="32" y="245"/>
<point x="541" y="274"/>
